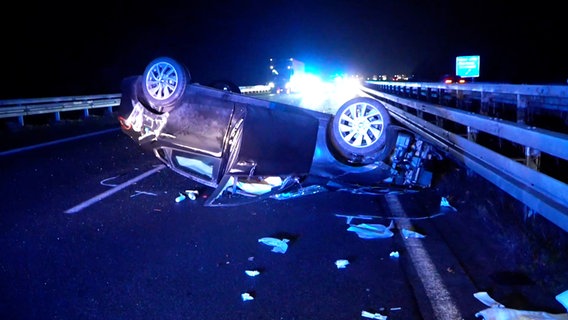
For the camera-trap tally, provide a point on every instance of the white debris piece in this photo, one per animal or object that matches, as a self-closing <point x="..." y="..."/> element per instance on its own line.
<point x="247" y="296"/>
<point x="411" y="234"/>
<point x="192" y="194"/>
<point x="563" y="299"/>
<point x="372" y="231"/>
<point x="252" y="273"/>
<point x="497" y="311"/>
<point x="181" y="197"/>
<point x="445" y="203"/>
<point x="341" y="263"/>
<point x="370" y="315"/>
<point x="394" y="254"/>
<point x="513" y="314"/>
<point x="280" y="246"/>
<point x="487" y="300"/>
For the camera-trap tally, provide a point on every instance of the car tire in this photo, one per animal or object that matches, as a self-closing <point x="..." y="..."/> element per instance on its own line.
<point x="163" y="83"/>
<point x="358" y="130"/>
<point x="225" y="85"/>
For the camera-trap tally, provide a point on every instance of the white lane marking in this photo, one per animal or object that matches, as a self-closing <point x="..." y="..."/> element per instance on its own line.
<point x="119" y="187"/>
<point x="45" y="144"/>
<point x="136" y="192"/>
<point x="440" y="299"/>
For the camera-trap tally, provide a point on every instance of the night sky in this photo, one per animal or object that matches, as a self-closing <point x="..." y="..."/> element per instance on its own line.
<point x="86" y="48"/>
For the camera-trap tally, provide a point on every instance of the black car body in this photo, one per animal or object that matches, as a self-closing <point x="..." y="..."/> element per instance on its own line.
<point x="246" y="148"/>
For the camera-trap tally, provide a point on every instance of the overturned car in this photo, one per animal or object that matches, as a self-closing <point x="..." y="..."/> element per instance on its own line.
<point x="246" y="148"/>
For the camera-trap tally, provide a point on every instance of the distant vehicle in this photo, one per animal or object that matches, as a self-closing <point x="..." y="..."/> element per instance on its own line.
<point x="449" y="79"/>
<point x="248" y="149"/>
<point x="281" y="72"/>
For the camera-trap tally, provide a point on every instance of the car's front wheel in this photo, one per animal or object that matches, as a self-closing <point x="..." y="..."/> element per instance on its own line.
<point x="358" y="130"/>
<point x="164" y="82"/>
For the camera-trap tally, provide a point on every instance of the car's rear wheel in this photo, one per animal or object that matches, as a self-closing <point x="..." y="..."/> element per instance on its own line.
<point x="358" y="130"/>
<point x="164" y="82"/>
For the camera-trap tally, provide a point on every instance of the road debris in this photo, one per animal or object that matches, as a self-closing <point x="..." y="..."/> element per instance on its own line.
<point x="394" y="254"/>
<point x="252" y="273"/>
<point x="563" y="299"/>
<point x="498" y="311"/>
<point x="247" y="296"/>
<point x="445" y="203"/>
<point x="180" y="197"/>
<point x="191" y="194"/>
<point x="279" y="246"/>
<point x="341" y="263"/>
<point x="411" y="234"/>
<point x="372" y="231"/>
<point x="371" y="315"/>
<point x="487" y="300"/>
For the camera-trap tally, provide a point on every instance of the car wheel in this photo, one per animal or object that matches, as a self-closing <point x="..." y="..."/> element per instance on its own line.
<point x="164" y="82"/>
<point x="358" y="130"/>
<point x="225" y="85"/>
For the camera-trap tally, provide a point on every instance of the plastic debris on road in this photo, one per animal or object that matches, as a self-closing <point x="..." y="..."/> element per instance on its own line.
<point x="341" y="263"/>
<point x="445" y="203"/>
<point x="247" y="296"/>
<point x="278" y="245"/>
<point x="563" y="299"/>
<point x="181" y="197"/>
<point x="371" y="315"/>
<point x="487" y="300"/>
<point x="513" y="314"/>
<point x="498" y="311"/>
<point x="313" y="189"/>
<point x="372" y="231"/>
<point x="411" y="234"/>
<point x="394" y="254"/>
<point x="252" y="273"/>
<point x="191" y="194"/>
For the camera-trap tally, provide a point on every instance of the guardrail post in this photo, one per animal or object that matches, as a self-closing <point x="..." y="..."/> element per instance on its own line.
<point x="521" y="109"/>
<point x="85" y="113"/>
<point x="532" y="158"/>
<point x="460" y="99"/>
<point x="486" y="102"/>
<point x="471" y="133"/>
<point x="57" y="116"/>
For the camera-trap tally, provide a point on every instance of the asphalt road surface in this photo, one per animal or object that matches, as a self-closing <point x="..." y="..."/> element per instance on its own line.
<point x="90" y="230"/>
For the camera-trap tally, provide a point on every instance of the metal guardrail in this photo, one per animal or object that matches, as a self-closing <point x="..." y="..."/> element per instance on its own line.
<point x="19" y="108"/>
<point x="258" y="89"/>
<point x="512" y="135"/>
